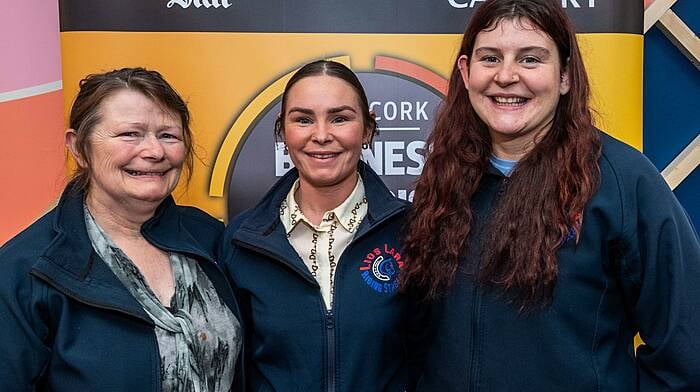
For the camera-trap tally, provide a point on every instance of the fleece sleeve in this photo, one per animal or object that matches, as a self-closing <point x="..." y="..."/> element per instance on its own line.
<point x="228" y="256"/>
<point x="661" y="260"/>
<point x="23" y="331"/>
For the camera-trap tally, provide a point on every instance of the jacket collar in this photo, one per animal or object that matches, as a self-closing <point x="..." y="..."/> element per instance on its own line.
<point x="71" y="265"/>
<point x="381" y="204"/>
<point x="262" y="228"/>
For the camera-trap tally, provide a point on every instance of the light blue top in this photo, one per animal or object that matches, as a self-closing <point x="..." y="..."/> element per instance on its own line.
<point x="505" y="166"/>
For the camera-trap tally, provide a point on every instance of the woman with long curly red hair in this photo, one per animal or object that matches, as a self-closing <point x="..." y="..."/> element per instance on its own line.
<point x="544" y="244"/>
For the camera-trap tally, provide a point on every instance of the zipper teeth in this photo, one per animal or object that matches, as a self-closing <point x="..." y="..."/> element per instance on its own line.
<point x="473" y="381"/>
<point x="330" y="339"/>
<point x="327" y="315"/>
<point x="330" y="329"/>
<point x="473" y="365"/>
<point x="68" y="294"/>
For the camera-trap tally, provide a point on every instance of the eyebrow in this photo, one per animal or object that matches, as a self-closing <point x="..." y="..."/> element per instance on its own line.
<point x="341" y="108"/>
<point x="336" y="109"/>
<point x="542" y="51"/>
<point x="142" y="125"/>
<point x="537" y="49"/>
<point x="300" y="110"/>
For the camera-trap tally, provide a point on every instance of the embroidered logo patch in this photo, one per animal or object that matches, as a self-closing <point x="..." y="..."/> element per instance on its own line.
<point x="380" y="269"/>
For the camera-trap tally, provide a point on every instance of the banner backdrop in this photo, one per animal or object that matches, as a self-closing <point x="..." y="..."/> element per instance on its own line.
<point x="230" y="59"/>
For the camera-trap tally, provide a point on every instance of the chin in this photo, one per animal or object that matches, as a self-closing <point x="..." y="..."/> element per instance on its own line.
<point x="507" y="129"/>
<point x="151" y="197"/>
<point x="324" y="181"/>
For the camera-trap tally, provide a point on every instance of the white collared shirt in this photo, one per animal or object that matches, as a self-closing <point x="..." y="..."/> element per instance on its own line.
<point x="321" y="246"/>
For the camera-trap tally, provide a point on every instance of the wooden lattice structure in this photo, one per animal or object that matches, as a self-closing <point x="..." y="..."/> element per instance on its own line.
<point x="659" y="13"/>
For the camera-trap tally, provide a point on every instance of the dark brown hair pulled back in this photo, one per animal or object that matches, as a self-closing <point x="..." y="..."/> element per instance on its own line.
<point x="336" y="70"/>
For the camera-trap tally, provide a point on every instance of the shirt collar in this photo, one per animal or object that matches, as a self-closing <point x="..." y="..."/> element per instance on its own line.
<point x="348" y="213"/>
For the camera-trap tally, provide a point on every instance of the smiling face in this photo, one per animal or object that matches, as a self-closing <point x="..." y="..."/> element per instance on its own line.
<point x="324" y="129"/>
<point x="514" y="78"/>
<point x="136" y="152"/>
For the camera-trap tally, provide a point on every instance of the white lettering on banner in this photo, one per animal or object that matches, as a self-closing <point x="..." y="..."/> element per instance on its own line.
<point x="466" y="4"/>
<point x="283" y="162"/>
<point x="401" y="194"/>
<point x="575" y="3"/>
<point x="389" y="158"/>
<point x="387" y="162"/>
<point x="199" y="3"/>
<point x="399" y="110"/>
<point x="472" y="3"/>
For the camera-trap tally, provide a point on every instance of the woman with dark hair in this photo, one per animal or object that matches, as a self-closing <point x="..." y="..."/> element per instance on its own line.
<point x="315" y="263"/>
<point x="545" y="244"/>
<point x="117" y="289"/>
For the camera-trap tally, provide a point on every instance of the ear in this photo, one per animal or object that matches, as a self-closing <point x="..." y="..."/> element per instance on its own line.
<point x="463" y="65"/>
<point x="564" y="81"/>
<point x="279" y="132"/>
<point x="71" y="139"/>
<point x="370" y="130"/>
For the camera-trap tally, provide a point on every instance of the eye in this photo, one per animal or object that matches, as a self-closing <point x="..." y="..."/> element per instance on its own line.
<point x="530" y="60"/>
<point x="489" y="59"/>
<point x="128" y="134"/>
<point x="339" y="119"/>
<point x="302" y="120"/>
<point x="170" y="136"/>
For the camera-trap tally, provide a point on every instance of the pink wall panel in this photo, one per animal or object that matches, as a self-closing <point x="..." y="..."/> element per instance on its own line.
<point x="29" y="44"/>
<point x="32" y="155"/>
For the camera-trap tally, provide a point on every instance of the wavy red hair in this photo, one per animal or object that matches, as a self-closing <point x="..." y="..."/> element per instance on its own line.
<point x="531" y="222"/>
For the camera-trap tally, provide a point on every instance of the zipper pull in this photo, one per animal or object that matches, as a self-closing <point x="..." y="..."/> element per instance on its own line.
<point x="330" y="323"/>
<point x="502" y="187"/>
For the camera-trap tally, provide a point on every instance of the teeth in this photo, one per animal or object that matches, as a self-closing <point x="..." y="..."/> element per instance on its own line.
<point x="139" y="173"/>
<point x="323" y="156"/>
<point x="509" y="100"/>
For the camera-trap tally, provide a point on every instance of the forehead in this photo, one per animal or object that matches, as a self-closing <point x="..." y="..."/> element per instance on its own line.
<point x="322" y="91"/>
<point x="513" y="33"/>
<point x="132" y="105"/>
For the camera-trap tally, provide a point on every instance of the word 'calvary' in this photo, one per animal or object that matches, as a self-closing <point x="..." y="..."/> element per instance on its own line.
<point x="564" y="3"/>
<point x="199" y="3"/>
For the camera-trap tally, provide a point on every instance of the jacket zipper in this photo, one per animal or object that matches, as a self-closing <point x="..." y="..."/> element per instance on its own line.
<point x="330" y="351"/>
<point x="331" y="381"/>
<point x="328" y="315"/>
<point x="472" y="381"/>
<point x="502" y="188"/>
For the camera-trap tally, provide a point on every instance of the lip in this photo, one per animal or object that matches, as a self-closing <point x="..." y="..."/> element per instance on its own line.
<point x="145" y="173"/>
<point x="322" y="155"/>
<point x="508" y="101"/>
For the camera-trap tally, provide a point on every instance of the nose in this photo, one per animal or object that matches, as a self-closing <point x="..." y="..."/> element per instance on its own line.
<point x="507" y="74"/>
<point x="152" y="148"/>
<point x="322" y="134"/>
